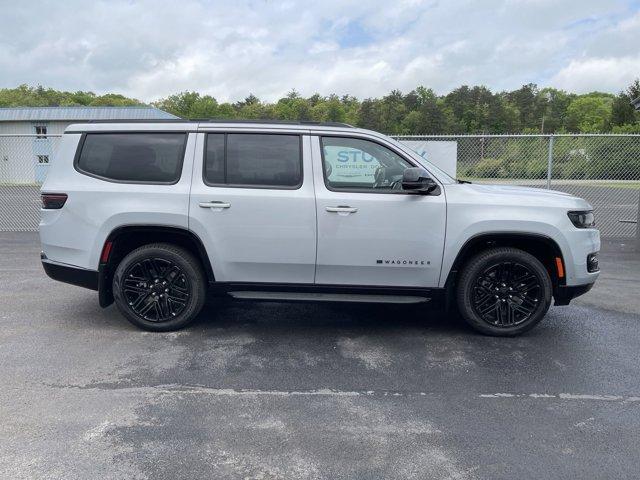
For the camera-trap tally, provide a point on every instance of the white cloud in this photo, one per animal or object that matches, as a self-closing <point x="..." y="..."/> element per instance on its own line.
<point x="601" y="74"/>
<point x="149" y="49"/>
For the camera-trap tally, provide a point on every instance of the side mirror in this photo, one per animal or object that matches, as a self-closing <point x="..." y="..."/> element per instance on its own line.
<point x="418" y="180"/>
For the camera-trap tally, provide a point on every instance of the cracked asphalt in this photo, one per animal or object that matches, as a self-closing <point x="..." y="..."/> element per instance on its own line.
<point x="327" y="391"/>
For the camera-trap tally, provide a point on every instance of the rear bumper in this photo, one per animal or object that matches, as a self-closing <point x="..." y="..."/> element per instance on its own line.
<point x="564" y="294"/>
<point x="70" y="274"/>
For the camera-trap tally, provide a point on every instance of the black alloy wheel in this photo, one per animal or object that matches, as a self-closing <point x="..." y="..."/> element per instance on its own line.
<point x="503" y="291"/>
<point x="159" y="287"/>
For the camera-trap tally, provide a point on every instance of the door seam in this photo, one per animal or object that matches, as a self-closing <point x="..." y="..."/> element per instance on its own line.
<point x="315" y="203"/>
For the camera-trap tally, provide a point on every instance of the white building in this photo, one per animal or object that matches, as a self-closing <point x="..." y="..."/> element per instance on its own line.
<point x="26" y="147"/>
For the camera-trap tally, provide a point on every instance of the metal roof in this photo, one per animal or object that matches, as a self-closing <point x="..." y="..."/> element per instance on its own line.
<point x="39" y="114"/>
<point x="636" y="103"/>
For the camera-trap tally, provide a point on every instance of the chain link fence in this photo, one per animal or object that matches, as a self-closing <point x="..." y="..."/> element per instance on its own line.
<point x="24" y="161"/>
<point x="603" y="169"/>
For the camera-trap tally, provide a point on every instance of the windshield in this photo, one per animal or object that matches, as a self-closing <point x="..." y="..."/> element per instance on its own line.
<point x="439" y="173"/>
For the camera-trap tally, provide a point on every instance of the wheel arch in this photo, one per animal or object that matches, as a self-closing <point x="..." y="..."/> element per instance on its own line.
<point x="542" y="247"/>
<point x="125" y="239"/>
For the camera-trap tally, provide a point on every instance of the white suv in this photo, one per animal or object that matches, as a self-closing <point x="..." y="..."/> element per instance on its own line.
<point x="155" y="215"/>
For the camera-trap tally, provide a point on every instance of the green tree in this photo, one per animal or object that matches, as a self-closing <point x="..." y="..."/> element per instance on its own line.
<point x="189" y="105"/>
<point x="526" y="100"/>
<point x="369" y="115"/>
<point x="622" y="112"/>
<point x="590" y="113"/>
<point x="26" y="96"/>
<point x="466" y="109"/>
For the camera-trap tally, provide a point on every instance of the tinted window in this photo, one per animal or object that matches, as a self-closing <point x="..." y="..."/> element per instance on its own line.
<point x="214" y="159"/>
<point x="254" y="159"/>
<point x="353" y="163"/>
<point x="134" y="157"/>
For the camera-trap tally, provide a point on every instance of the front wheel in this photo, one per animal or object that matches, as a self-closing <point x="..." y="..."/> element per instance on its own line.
<point x="159" y="287"/>
<point x="504" y="292"/>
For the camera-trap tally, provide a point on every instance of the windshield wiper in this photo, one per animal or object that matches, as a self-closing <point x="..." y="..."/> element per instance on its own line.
<point x="462" y="181"/>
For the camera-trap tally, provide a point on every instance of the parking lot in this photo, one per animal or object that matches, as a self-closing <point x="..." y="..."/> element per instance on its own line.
<point x="274" y="390"/>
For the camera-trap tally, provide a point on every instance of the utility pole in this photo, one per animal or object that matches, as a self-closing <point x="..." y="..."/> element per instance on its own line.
<point x="547" y="97"/>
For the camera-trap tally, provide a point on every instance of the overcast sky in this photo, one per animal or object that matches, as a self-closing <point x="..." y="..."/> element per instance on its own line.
<point x="149" y="49"/>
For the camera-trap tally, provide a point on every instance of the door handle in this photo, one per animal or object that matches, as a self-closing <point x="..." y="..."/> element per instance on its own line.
<point x="215" y="204"/>
<point x="341" y="209"/>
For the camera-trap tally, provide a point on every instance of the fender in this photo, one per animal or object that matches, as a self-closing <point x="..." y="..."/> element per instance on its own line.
<point x="126" y="238"/>
<point x="541" y="246"/>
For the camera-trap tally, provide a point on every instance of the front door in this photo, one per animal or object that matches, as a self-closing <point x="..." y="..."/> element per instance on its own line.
<point x="370" y="231"/>
<point x="253" y="206"/>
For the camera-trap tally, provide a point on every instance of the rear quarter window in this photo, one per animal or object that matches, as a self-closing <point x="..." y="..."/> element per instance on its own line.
<point x="133" y="157"/>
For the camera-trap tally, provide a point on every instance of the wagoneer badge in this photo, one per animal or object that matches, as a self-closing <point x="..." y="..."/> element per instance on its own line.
<point x="416" y="263"/>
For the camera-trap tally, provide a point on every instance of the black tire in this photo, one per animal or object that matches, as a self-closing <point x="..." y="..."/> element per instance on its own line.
<point x="492" y="297"/>
<point x="159" y="287"/>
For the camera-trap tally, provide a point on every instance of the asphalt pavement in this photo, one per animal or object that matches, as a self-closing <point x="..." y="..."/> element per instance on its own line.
<point x="327" y="391"/>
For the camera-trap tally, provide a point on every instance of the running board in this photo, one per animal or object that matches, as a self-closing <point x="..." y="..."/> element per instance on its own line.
<point x="327" y="297"/>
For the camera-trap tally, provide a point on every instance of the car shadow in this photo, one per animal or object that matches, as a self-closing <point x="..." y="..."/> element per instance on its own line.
<point x="304" y="316"/>
<point x="227" y="313"/>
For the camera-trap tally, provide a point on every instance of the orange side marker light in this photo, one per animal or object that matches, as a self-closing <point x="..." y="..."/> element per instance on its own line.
<point x="559" y="267"/>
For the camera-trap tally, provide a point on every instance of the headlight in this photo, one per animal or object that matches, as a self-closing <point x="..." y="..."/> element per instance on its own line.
<point x="582" y="219"/>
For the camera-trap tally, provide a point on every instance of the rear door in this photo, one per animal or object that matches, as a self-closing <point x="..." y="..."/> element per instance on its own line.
<point x="252" y="204"/>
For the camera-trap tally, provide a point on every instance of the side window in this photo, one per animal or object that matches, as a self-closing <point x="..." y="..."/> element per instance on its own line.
<point x="253" y="159"/>
<point x="41" y="131"/>
<point x="353" y="163"/>
<point x="214" y="158"/>
<point x="133" y="157"/>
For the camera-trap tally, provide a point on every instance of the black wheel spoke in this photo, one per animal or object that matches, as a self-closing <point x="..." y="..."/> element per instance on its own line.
<point x="510" y="313"/>
<point x="133" y="285"/>
<point x="149" y="303"/>
<point x="139" y="300"/>
<point x="177" y="296"/>
<point x="487" y="306"/>
<point x="163" y="307"/>
<point x="500" y="314"/>
<point x="171" y="275"/>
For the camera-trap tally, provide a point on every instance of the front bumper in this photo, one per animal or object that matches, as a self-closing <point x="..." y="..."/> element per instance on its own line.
<point x="70" y="274"/>
<point x="564" y="294"/>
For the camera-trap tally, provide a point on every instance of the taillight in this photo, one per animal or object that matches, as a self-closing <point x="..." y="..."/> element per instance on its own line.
<point x="53" y="200"/>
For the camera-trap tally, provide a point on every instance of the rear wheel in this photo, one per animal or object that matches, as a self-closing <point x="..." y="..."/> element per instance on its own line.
<point x="504" y="292"/>
<point x="159" y="287"/>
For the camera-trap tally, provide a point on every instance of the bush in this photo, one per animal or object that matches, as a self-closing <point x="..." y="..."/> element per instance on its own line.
<point x="489" y="168"/>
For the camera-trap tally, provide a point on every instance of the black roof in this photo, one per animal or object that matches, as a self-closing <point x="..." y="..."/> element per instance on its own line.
<point x="636" y="103"/>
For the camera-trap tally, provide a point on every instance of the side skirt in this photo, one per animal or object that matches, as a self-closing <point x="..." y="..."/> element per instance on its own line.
<point x="326" y="293"/>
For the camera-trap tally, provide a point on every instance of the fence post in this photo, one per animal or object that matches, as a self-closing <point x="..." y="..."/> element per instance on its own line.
<point x="638" y="226"/>
<point x="550" y="161"/>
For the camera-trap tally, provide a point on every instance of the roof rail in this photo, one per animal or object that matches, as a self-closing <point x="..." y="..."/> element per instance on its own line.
<point x="277" y="122"/>
<point x="224" y="120"/>
<point x="139" y="120"/>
